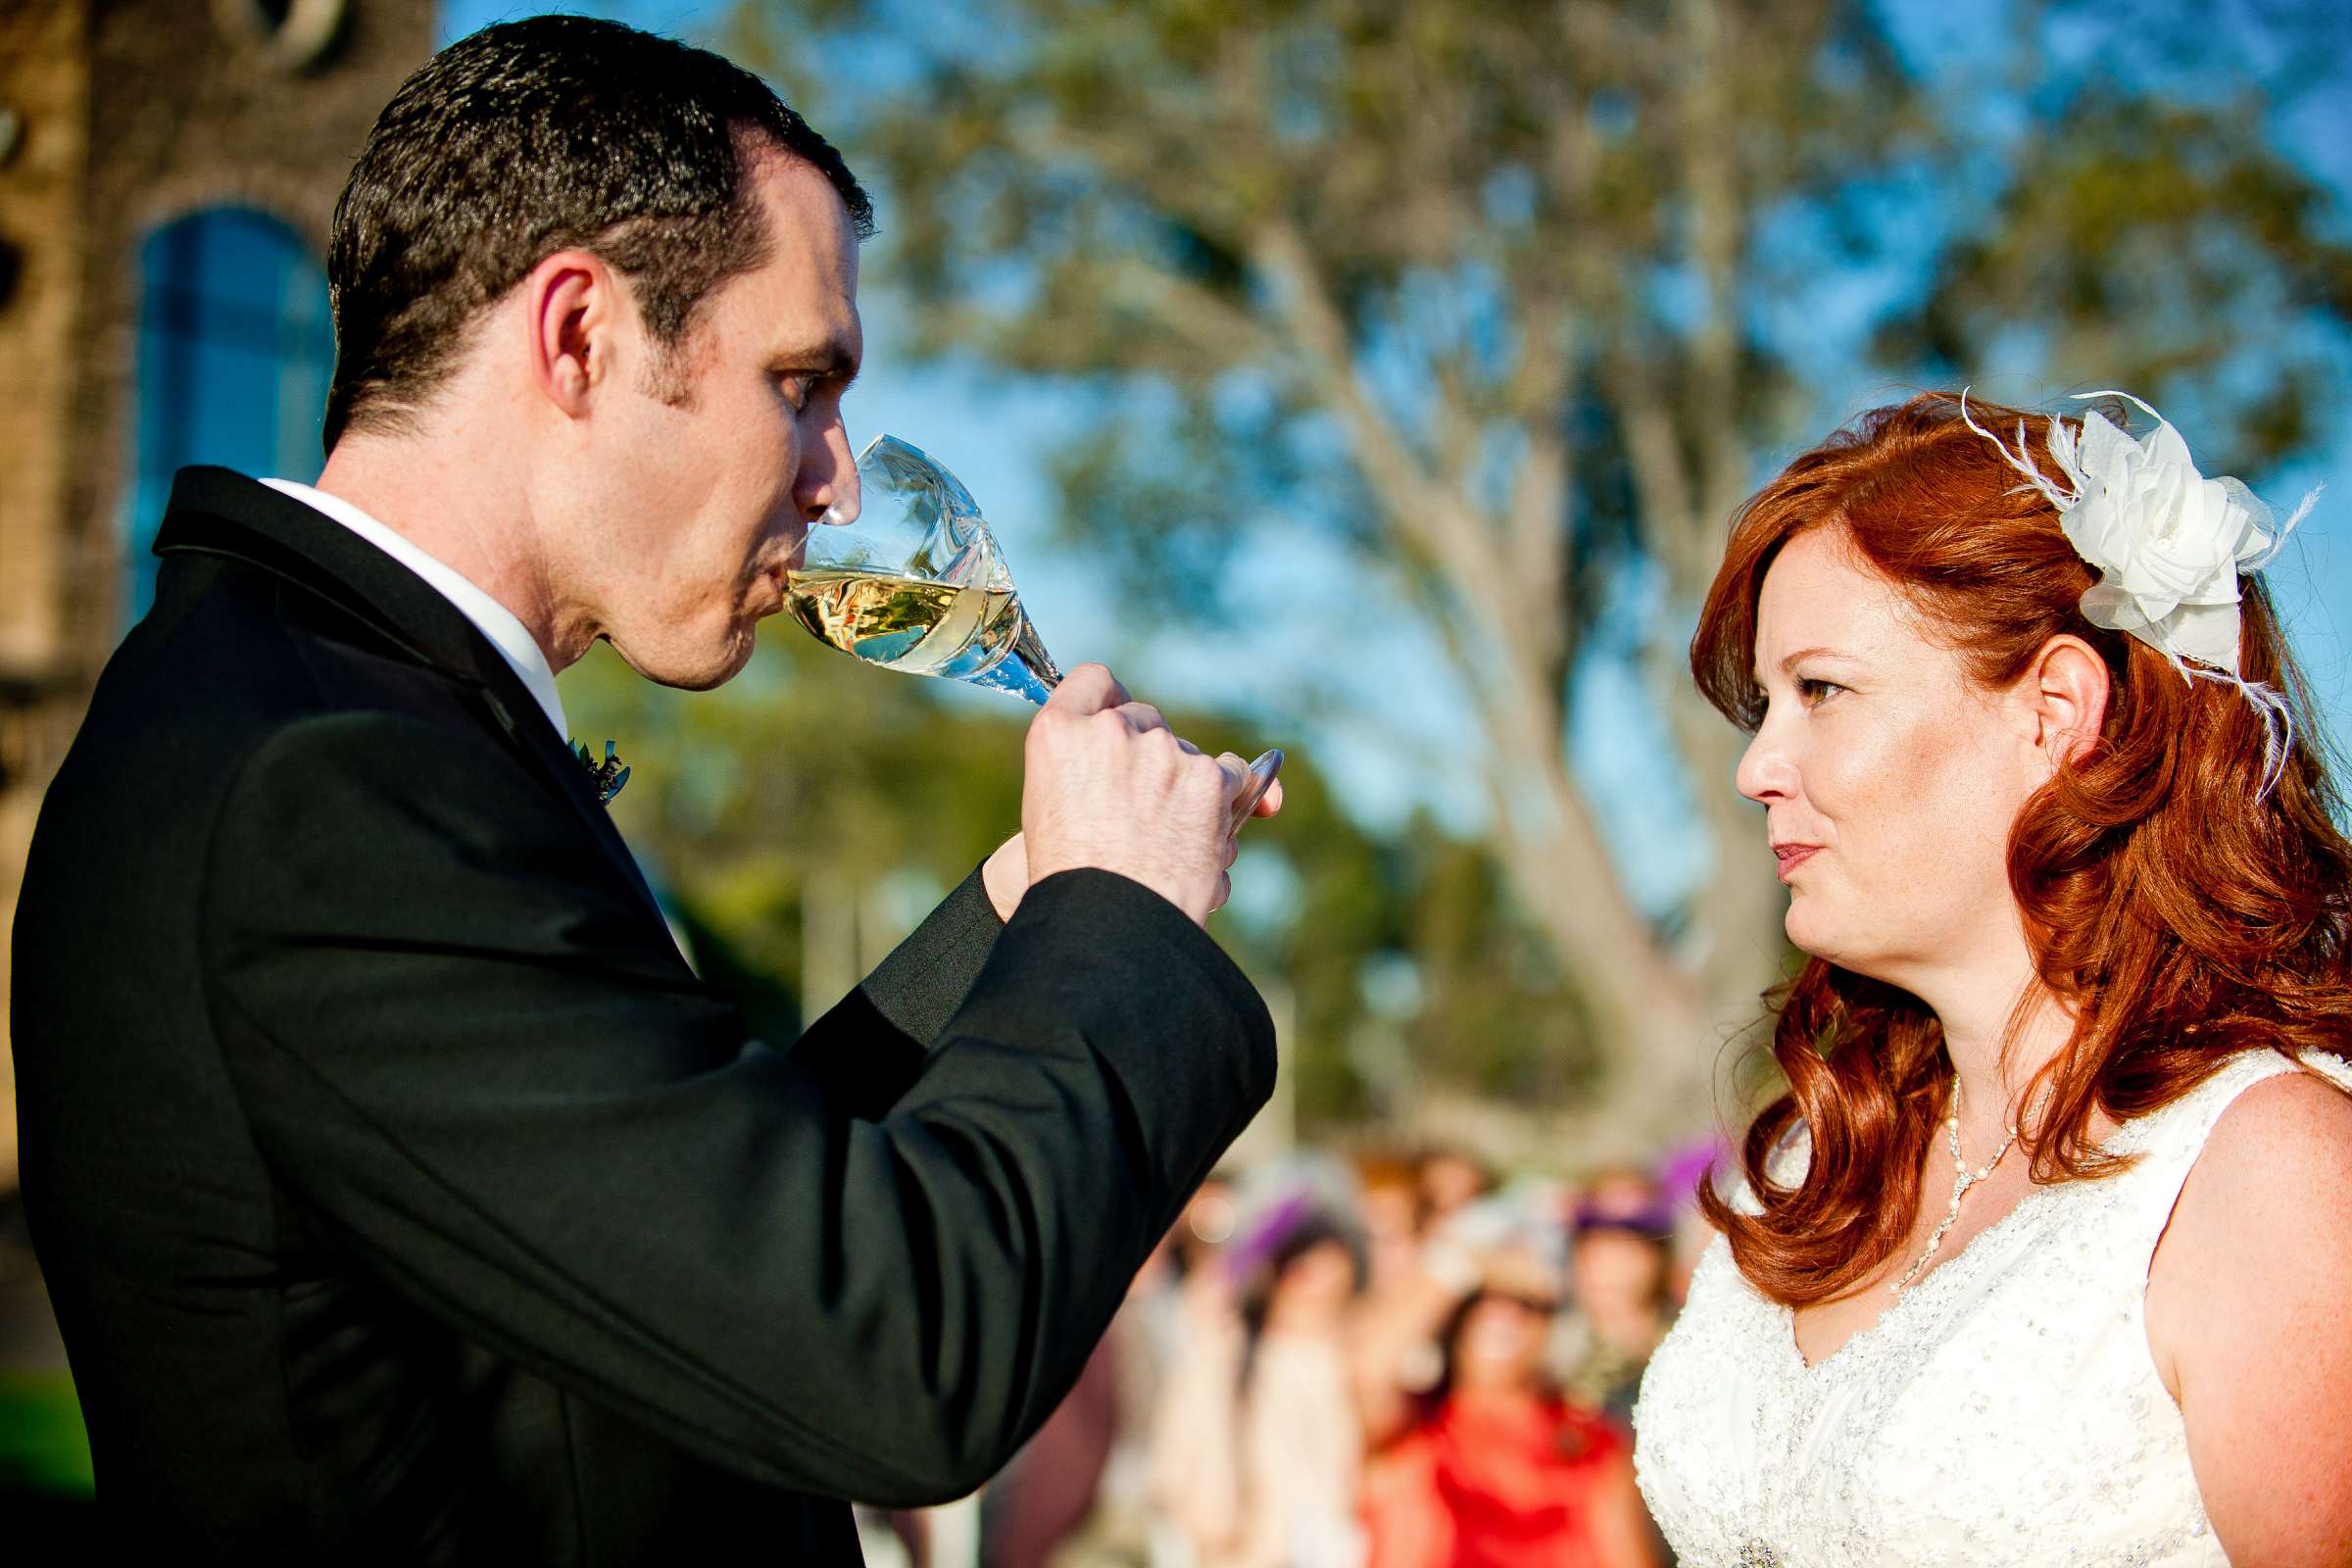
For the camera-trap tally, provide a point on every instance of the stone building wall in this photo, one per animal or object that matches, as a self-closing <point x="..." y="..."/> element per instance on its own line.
<point x="127" y="115"/>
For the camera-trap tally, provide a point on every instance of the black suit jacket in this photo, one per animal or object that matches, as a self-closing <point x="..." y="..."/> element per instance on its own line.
<point x="401" y="1194"/>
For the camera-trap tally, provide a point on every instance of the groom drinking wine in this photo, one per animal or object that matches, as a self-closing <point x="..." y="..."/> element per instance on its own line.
<point x="401" y="1194"/>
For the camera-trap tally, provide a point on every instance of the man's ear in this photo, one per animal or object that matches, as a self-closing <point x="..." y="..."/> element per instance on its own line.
<point x="572" y="311"/>
<point x="2064" y="697"/>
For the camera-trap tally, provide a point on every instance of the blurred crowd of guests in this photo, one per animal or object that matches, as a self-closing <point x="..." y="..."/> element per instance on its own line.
<point x="1388" y="1363"/>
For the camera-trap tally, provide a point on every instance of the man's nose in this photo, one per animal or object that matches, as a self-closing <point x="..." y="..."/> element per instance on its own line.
<point x="829" y="480"/>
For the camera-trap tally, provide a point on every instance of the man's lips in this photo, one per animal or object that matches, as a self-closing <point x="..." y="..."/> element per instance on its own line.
<point x="781" y="572"/>
<point x="1793" y="855"/>
<point x="779" y="577"/>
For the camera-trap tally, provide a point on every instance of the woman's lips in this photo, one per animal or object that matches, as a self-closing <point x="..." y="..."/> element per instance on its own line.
<point x="1793" y="855"/>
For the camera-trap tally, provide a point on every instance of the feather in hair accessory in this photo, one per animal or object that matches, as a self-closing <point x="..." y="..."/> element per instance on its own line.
<point x="2169" y="544"/>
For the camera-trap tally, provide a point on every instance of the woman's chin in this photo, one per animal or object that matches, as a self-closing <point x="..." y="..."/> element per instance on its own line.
<point x="1840" y="950"/>
<point x="1808" y="932"/>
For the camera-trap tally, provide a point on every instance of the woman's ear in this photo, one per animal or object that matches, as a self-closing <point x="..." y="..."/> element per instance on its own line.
<point x="2064" y="692"/>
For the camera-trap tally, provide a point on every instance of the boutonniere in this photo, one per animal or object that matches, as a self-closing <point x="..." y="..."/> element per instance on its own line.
<point x="609" y="776"/>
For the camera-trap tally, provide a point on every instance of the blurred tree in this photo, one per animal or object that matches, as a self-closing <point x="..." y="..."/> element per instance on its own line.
<point x="1485" y="288"/>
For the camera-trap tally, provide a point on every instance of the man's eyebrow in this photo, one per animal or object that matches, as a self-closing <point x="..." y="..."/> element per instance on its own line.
<point x="832" y="359"/>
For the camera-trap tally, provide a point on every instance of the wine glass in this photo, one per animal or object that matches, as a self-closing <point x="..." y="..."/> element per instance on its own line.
<point x="917" y="584"/>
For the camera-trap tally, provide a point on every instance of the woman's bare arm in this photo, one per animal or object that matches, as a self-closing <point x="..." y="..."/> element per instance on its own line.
<point x="2246" y="1303"/>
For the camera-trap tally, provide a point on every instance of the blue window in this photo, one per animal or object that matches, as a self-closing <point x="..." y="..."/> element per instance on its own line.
<point x="236" y="348"/>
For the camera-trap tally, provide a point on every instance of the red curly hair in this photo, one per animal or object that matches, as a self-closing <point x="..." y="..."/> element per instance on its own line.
<point x="2184" y="915"/>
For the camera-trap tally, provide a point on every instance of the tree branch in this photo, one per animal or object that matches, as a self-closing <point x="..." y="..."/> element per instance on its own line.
<point x="1711" y="184"/>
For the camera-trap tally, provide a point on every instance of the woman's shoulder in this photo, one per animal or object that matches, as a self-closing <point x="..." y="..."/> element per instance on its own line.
<point x="2254" y="1107"/>
<point x="2245" y="1293"/>
<point x="2282" y="1142"/>
<point x="2267" y="1193"/>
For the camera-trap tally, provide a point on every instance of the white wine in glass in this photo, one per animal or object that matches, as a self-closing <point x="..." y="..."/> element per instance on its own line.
<point x="916" y="584"/>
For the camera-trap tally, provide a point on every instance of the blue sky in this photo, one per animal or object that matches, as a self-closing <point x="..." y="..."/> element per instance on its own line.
<point x="1396" y="752"/>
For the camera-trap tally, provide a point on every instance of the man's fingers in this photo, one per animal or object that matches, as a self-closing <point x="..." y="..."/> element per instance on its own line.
<point x="1238" y="777"/>
<point x="1110" y="784"/>
<point x="1142" y="718"/>
<point x="1088" y="689"/>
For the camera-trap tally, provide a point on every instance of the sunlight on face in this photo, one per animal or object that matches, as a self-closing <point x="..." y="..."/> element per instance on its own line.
<point x="1890" y="778"/>
<point x="705" y="500"/>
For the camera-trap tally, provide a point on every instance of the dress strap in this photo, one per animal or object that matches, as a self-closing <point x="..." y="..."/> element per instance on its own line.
<point x="2169" y="1142"/>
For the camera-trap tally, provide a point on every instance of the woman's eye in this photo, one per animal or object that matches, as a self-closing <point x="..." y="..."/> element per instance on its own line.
<point x="1811" y="692"/>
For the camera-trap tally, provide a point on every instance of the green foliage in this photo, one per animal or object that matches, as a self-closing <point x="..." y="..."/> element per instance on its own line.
<point x="2167" y="244"/>
<point x="1499" y="1016"/>
<point x="44" y="1448"/>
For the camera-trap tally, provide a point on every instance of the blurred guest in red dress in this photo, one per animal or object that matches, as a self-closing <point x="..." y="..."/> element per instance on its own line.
<point x="1492" y="1467"/>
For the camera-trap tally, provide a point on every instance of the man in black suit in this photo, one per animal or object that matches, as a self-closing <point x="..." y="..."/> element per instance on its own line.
<point x="401" y="1194"/>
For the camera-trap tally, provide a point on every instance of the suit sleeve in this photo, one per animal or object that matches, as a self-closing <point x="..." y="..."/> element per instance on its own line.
<point x="461" y="1043"/>
<point x="868" y="1047"/>
<point x="928" y="976"/>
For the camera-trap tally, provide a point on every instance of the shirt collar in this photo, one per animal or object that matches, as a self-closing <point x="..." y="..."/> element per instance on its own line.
<point x="494" y="620"/>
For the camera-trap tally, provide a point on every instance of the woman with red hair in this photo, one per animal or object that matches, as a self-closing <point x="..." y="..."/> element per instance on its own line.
<point x="2043" y="1254"/>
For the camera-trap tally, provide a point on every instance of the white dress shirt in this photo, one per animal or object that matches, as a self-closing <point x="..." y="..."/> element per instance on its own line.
<point x="494" y="620"/>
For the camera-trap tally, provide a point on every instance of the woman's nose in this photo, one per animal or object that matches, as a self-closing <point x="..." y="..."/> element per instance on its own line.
<point x="1766" y="774"/>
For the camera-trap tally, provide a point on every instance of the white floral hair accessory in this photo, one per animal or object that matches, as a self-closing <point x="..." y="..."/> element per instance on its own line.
<point x="2169" y="544"/>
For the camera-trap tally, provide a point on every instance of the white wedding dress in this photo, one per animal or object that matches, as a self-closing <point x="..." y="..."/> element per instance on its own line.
<point x="2004" y="1410"/>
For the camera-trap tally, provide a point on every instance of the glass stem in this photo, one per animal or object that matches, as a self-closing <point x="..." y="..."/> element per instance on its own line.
<point x="1028" y="649"/>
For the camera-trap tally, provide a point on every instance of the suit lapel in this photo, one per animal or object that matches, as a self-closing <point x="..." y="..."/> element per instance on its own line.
<point x="220" y="512"/>
<point x="538" y="741"/>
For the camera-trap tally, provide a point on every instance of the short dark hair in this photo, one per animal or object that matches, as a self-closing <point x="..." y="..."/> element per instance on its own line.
<point x="555" y="132"/>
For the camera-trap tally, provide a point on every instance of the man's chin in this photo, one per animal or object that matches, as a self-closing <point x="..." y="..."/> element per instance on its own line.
<point x="683" y="670"/>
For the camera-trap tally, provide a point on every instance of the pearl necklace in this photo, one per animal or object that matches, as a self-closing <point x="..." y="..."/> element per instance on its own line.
<point x="1962" y="1179"/>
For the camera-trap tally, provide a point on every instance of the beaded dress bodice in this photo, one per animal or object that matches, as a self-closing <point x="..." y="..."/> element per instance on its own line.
<point x="2004" y="1409"/>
